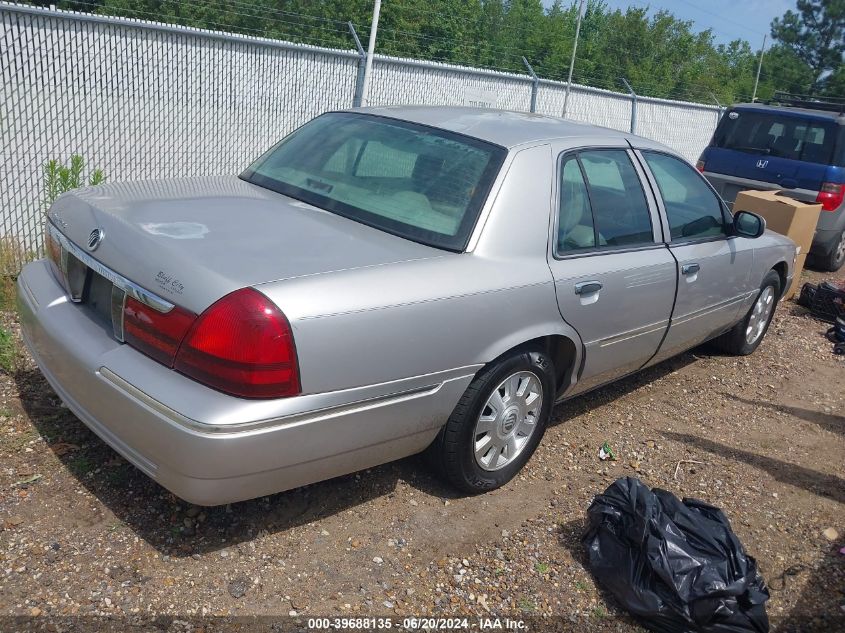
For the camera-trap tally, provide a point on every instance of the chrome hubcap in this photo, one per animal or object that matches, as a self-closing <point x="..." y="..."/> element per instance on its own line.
<point x="760" y="315"/>
<point x="508" y="420"/>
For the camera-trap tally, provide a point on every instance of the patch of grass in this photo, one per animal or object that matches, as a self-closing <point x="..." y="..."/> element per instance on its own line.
<point x="526" y="604"/>
<point x="542" y="568"/>
<point x="580" y="585"/>
<point x="81" y="465"/>
<point x="599" y="612"/>
<point x="7" y="292"/>
<point x="9" y="352"/>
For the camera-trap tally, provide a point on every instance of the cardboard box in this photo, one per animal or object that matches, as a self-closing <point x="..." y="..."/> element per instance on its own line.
<point x="797" y="220"/>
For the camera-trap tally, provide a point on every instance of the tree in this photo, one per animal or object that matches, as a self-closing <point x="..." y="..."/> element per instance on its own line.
<point x="816" y="37"/>
<point x="658" y="53"/>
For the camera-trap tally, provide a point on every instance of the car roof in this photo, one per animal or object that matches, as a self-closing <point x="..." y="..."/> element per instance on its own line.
<point x="764" y="107"/>
<point x="506" y="128"/>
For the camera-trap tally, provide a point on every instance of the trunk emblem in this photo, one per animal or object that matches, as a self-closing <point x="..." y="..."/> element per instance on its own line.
<point x="762" y="164"/>
<point x="95" y="238"/>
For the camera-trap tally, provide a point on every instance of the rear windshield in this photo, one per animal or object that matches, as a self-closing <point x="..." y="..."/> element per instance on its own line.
<point x="768" y="133"/>
<point x="420" y="183"/>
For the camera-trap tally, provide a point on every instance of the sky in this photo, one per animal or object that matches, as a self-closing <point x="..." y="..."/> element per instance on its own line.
<point x="729" y="19"/>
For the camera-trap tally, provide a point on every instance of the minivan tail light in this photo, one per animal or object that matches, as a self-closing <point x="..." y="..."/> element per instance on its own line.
<point x="831" y="195"/>
<point x="242" y="345"/>
<point x="156" y="334"/>
<point x="699" y="165"/>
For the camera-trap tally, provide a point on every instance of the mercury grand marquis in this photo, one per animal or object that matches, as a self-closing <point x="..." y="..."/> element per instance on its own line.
<point x="383" y="282"/>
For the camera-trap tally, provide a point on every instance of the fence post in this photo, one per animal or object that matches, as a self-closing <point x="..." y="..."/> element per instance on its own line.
<point x="720" y="111"/>
<point x="633" y="105"/>
<point x="535" y="81"/>
<point x="362" y="61"/>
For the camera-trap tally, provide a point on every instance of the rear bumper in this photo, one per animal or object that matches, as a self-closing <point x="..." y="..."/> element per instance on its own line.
<point x="205" y="446"/>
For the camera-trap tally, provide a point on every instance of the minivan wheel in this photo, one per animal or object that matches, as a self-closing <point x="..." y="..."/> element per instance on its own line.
<point x="497" y="424"/>
<point x="834" y="261"/>
<point x="747" y="335"/>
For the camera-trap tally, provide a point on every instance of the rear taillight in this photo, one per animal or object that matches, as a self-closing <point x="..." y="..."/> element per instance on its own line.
<point x="242" y="345"/>
<point x="831" y="195"/>
<point x="54" y="249"/>
<point x="156" y="334"/>
<point x="54" y="253"/>
<point x="699" y="165"/>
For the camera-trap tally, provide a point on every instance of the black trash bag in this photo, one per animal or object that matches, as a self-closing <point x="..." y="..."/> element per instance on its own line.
<point x="677" y="566"/>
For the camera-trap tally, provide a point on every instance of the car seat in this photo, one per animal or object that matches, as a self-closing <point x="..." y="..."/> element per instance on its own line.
<point x="572" y="234"/>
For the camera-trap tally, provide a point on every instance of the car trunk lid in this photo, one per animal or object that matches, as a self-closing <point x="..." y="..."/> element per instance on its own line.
<point x="192" y="241"/>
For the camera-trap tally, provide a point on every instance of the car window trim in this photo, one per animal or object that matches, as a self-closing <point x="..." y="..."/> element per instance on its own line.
<point x="609" y="248"/>
<point x="587" y="188"/>
<point x="655" y="190"/>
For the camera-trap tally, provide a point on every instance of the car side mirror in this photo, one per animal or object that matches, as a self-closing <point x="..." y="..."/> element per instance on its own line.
<point x="747" y="224"/>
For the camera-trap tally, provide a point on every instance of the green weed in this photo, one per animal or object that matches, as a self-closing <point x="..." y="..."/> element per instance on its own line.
<point x="59" y="178"/>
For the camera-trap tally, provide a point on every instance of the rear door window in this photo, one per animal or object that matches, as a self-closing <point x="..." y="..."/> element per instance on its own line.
<point x="602" y="203"/>
<point x="619" y="205"/>
<point x="769" y="134"/>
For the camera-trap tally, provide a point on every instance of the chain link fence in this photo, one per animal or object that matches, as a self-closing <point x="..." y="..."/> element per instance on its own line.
<point x="145" y="100"/>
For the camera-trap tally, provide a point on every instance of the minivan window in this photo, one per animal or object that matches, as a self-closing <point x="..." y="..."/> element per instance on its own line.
<point x="421" y="183"/>
<point x="770" y="134"/>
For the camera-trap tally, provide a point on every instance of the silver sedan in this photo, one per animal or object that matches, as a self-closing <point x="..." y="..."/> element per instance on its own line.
<point x="382" y="282"/>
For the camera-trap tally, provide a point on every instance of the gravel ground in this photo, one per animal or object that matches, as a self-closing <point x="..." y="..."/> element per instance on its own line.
<point x="82" y="533"/>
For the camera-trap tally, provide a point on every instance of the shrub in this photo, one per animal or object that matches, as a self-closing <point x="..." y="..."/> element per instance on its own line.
<point x="59" y="178"/>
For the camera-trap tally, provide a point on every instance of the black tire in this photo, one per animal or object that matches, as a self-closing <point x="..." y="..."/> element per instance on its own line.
<point x="734" y="341"/>
<point x="451" y="454"/>
<point x="834" y="261"/>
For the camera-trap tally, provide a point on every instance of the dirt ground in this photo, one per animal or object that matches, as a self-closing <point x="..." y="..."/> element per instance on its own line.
<point x="763" y="437"/>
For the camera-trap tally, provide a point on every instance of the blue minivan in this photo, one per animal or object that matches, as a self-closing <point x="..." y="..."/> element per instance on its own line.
<point x="799" y="148"/>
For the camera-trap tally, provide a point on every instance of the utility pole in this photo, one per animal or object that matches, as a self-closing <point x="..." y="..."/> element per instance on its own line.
<point x="368" y="69"/>
<point x="572" y="61"/>
<point x="759" y="66"/>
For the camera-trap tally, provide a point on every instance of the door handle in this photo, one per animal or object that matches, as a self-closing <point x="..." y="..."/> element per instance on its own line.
<point x="587" y="287"/>
<point x="690" y="269"/>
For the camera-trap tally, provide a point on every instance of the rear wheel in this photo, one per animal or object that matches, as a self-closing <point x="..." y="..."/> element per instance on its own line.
<point x="834" y="261"/>
<point x="497" y="424"/>
<point x="747" y="335"/>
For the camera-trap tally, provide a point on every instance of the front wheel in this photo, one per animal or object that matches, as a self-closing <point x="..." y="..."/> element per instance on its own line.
<point x="747" y="335"/>
<point x="497" y="424"/>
